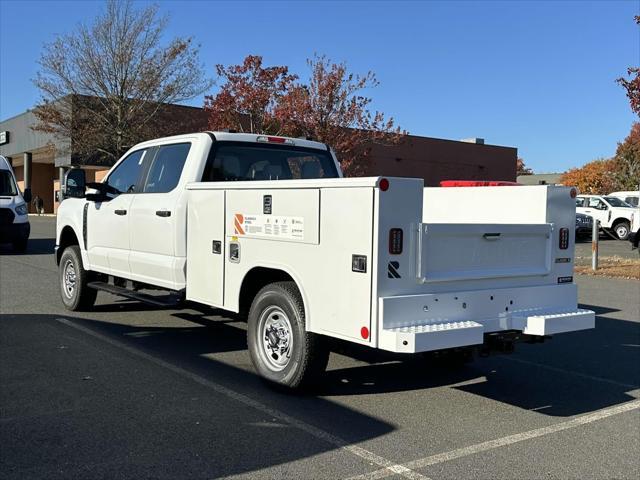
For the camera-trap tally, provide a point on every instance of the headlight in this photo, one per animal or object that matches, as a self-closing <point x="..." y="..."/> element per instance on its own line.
<point x="21" y="209"/>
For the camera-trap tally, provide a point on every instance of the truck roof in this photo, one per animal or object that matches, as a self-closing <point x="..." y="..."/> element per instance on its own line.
<point x="241" y="137"/>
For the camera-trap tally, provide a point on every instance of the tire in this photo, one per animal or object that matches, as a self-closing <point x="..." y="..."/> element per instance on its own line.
<point x="73" y="279"/>
<point x="20" y="246"/>
<point x="282" y="351"/>
<point x="622" y="230"/>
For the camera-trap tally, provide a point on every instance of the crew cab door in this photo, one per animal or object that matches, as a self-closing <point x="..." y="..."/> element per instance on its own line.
<point x="108" y="221"/>
<point x="158" y="218"/>
<point x="598" y="209"/>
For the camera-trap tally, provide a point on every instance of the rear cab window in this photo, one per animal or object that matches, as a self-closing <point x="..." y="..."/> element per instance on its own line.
<point x="245" y="161"/>
<point x="166" y="168"/>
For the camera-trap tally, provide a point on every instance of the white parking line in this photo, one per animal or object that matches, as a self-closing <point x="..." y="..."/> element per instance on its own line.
<point x="504" y="441"/>
<point x="391" y="468"/>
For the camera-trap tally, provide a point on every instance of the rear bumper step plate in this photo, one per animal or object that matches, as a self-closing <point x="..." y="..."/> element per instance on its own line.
<point x="433" y="336"/>
<point x="538" y="323"/>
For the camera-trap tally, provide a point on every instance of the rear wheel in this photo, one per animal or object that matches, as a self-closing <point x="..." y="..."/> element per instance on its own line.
<point x="281" y="349"/>
<point x="75" y="293"/>
<point x="622" y="230"/>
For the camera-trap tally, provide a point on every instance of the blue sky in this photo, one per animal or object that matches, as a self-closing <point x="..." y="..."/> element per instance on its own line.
<point x="538" y="75"/>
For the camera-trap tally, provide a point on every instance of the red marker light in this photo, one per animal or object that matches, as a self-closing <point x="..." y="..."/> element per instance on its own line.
<point x="573" y="192"/>
<point x="364" y="332"/>
<point x="384" y="184"/>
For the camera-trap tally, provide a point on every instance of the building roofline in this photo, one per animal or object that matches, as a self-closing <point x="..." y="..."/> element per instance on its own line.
<point x="16" y="116"/>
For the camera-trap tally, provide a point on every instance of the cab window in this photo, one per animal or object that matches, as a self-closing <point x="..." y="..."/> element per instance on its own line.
<point x="579" y="202"/>
<point x="166" y="168"/>
<point x="597" y="204"/>
<point x="125" y="177"/>
<point x="237" y="161"/>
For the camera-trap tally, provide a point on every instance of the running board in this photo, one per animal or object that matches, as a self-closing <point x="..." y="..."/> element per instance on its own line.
<point x="142" y="297"/>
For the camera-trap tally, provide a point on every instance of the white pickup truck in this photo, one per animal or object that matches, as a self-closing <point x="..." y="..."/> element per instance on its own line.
<point x="266" y="225"/>
<point x="613" y="213"/>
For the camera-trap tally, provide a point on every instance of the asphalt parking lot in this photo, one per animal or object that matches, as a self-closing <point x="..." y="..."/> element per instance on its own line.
<point x="131" y="391"/>
<point x="607" y="246"/>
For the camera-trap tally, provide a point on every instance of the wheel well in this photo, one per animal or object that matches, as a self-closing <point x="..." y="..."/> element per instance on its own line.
<point x="620" y="220"/>
<point x="254" y="280"/>
<point x="67" y="238"/>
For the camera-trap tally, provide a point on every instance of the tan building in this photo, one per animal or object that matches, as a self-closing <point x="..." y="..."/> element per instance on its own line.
<point x="39" y="159"/>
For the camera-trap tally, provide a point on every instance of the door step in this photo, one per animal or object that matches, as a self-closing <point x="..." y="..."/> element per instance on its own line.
<point x="158" y="301"/>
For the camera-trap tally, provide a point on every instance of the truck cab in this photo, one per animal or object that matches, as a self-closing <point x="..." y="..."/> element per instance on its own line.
<point x="14" y="208"/>
<point x="265" y="226"/>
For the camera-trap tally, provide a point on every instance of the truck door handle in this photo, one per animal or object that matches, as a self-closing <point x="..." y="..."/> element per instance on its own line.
<point x="491" y="236"/>
<point x="120" y="212"/>
<point x="163" y="213"/>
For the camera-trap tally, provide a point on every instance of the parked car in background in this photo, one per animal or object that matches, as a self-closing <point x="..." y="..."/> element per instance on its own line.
<point x="14" y="221"/>
<point x="584" y="226"/>
<point x="630" y="197"/>
<point x="614" y="214"/>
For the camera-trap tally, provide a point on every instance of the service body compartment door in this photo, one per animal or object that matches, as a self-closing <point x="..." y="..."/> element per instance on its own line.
<point x="206" y="247"/>
<point x="449" y="252"/>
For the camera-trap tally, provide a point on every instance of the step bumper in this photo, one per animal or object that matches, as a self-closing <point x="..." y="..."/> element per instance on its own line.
<point x="420" y="323"/>
<point x="435" y="336"/>
<point x="551" y="323"/>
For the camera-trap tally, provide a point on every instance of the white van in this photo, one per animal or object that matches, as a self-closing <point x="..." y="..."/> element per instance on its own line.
<point x="14" y="221"/>
<point x="630" y="197"/>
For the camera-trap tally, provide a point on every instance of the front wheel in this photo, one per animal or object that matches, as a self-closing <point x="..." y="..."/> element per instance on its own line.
<point x="622" y="230"/>
<point x="281" y="349"/>
<point x="76" y="294"/>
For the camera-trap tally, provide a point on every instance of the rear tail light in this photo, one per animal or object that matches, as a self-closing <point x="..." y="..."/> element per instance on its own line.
<point x="395" y="241"/>
<point x="384" y="185"/>
<point x="564" y="238"/>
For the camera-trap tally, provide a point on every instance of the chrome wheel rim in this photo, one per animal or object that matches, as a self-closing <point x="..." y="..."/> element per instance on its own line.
<point x="621" y="231"/>
<point x="276" y="339"/>
<point x="69" y="279"/>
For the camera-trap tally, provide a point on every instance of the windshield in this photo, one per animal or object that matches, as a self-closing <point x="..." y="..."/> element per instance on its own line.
<point x="232" y="161"/>
<point x="7" y="185"/>
<point x="616" y="202"/>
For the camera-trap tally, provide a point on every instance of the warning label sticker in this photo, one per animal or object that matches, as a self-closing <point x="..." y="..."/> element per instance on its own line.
<point x="269" y="226"/>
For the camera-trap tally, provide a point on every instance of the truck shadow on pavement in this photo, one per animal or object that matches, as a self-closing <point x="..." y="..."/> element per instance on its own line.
<point x="567" y="375"/>
<point x="91" y="405"/>
<point x="111" y="397"/>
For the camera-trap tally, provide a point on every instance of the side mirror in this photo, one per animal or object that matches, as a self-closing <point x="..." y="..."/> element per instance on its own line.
<point x="26" y="195"/>
<point x="75" y="184"/>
